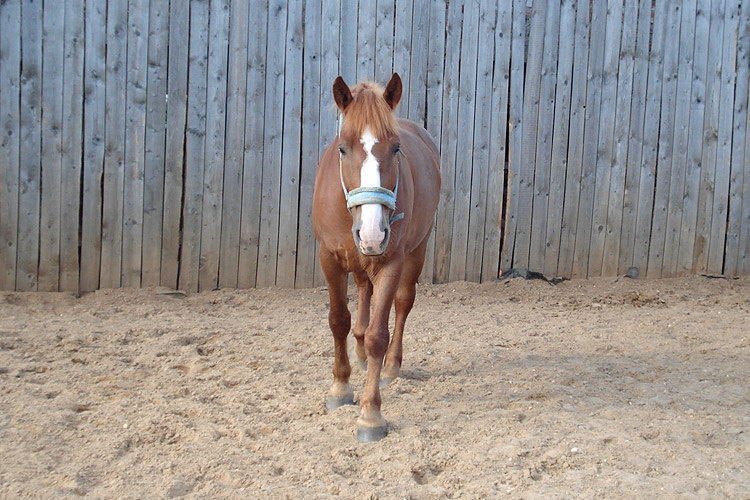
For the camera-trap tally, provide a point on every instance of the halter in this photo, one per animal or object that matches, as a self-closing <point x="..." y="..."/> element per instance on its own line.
<point x="366" y="195"/>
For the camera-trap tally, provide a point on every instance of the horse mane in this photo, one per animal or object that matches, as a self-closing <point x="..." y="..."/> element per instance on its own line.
<point x="368" y="109"/>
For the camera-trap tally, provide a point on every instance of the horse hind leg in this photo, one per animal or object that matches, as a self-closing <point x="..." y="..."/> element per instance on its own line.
<point x="404" y="301"/>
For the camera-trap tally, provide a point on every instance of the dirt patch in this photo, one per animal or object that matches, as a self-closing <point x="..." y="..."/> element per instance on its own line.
<point x="597" y="388"/>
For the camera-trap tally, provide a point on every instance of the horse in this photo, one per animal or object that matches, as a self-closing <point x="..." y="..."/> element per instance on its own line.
<point x="376" y="192"/>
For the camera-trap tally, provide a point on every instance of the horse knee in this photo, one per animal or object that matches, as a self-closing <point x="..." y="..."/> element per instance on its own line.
<point x="405" y="297"/>
<point x="340" y="322"/>
<point x="376" y="342"/>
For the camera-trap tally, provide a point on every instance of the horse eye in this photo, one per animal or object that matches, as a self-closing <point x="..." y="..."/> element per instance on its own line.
<point x="342" y="150"/>
<point x="396" y="148"/>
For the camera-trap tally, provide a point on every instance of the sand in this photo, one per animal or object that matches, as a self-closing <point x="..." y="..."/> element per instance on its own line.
<point x="604" y="388"/>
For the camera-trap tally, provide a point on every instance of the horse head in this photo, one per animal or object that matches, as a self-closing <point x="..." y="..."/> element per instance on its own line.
<point x="369" y="157"/>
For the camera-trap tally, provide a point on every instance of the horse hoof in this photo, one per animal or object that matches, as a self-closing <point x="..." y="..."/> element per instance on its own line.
<point x="384" y="381"/>
<point x="333" y="402"/>
<point x="371" y="434"/>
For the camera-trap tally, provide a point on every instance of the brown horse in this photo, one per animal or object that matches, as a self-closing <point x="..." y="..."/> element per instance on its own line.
<point x="376" y="193"/>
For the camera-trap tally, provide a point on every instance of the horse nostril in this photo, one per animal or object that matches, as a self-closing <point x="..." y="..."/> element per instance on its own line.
<point x="357" y="234"/>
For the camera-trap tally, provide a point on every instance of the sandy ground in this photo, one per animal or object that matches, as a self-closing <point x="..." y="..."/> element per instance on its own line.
<point x="599" y="388"/>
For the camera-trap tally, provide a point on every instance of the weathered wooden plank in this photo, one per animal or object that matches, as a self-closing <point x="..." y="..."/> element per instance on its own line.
<point x="195" y="143"/>
<point x="724" y="151"/>
<point x="135" y="134"/>
<point x="252" y="174"/>
<point x="402" y="49"/>
<point x="743" y="264"/>
<point x="694" y="140"/>
<point x="464" y="141"/>
<point x="740" y="164"/>
<point x="156" y="109"/>
<point x="635" y="143"/>
<point x="272" y="140"/>
<point x="366" y="47"/>
<point x="213" y="167"/>
<point x="498" y="131"/>
<point x="478" y="171"/>
<point x="545" y="120"/>
<point x="348" y="41"/>
<point x="10" y="124"/>
<point x="449" y="130"/>
<point x="93" y="145"/>
<point x="434" y="83"/>
<point x="52" y="114"/>
<point x="386" y="11"/>
<point x="562" y="114"/>
<point x="578" y="94"/>
<point x="525" y="183"/>
<point x="114" y="144"/>
<point x="647" y="168"/>
<point x="291" y="146"/>
<point x="515" y="131"/>
<point x="72" y="135"/>
<point x="417" y="100"/>
<point x="231" y="207"/>
<point x="613" y="228"/>
<point x="679" y="139"/>
<point x="312" y="86"/>
<point x="665" y="143"/>
<point x="605" y="160"/>
<point x="590" y="139"/>
<point x="177" y="84"/>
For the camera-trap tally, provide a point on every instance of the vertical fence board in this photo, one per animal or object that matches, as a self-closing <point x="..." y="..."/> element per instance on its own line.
<point x="347" y="41"/>
<point x="679" y="139"/>
<point x="605" y="160"/>
<point x="543" y="154"/>
<point x="235" y="145"/>
<point x="114" y="148"/>
<point x="448" y="130"/>
<point x="515" y="130"/>
<point x="665" y="146"/>
<point x="694" y="139"/>
<point x="72" y="135"/>
<point x="312" y="86"/>
<point x="384" y="38"/>
<point x="366" y="36"/>
<point x="153" y="175"/>
<point x="743" y="257"/>
<point x="498" y="150"/>
<point x="213" y="168"/>
<point x="578" y="95"/>
<point x="177" y="84"/>
<point x="477" y="183"/>
<point x="10" y="92"/>
<point x="272" y="143"/>
<point x="93" y="145"/>
<point x="52" y="116"/>
<point x="402" y="50"/>
<point x="464" y="141"/>
<point x="290" y="160"/>
<point x="434" y="86"/>
<point x="647" y="177"/>
<point x="135" y="134"/>
<point x="195" y="146"/>
<point x="561" y="131"/>
<point x="418" y="68"/>
<point x="635" y="141"/>
<point x="613" y="227"/>
<point x="724" y="150"/>
<point x="252" y="175"/>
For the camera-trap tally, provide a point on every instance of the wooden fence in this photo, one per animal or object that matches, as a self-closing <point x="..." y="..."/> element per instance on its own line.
<point x="174" y="143"/>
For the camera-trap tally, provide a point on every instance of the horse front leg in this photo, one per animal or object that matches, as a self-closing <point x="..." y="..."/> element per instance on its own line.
<point x="371" y="426"/>
<point x="339" y="320"/>
<point x="364" y="293"/>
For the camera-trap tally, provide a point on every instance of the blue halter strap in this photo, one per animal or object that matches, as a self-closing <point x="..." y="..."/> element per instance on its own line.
<point x="366" y="195"/>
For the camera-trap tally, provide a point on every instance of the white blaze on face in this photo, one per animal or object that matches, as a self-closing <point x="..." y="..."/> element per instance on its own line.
<point x="370" y="233"/>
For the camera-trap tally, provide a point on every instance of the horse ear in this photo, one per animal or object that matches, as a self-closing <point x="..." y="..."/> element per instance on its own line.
<point x="392" y="94"/>
<point x="341" y="94"/>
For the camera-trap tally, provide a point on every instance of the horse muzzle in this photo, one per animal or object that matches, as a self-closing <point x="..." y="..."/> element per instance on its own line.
<point x="370" y="239"/>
